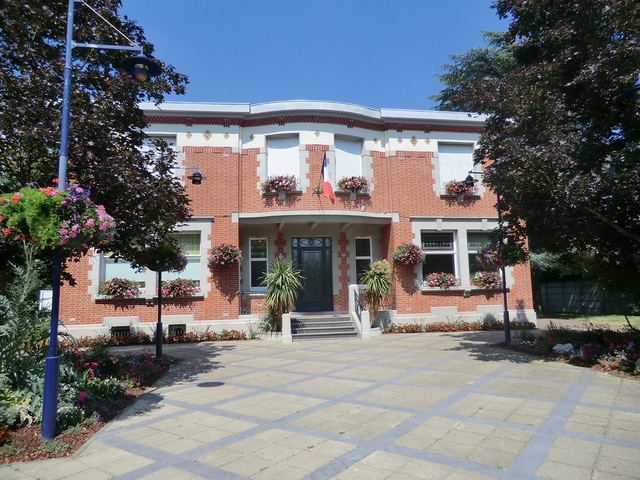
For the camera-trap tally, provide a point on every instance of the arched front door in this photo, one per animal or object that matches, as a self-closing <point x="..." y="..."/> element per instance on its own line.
<point x="312" y="256"/>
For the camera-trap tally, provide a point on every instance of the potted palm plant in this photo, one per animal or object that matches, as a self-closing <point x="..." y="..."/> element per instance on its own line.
<point x="283" y="283"/>
<point x="377" y="285"/>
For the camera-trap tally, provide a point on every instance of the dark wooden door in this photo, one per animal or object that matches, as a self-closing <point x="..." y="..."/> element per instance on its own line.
<point x="312" y="256"/>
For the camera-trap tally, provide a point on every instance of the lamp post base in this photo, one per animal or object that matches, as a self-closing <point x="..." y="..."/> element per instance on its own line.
<point x="50" y="398"/>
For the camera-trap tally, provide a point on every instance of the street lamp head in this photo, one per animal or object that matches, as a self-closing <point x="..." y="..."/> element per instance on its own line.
<point x="633" y="93"/>
<point x="140" y="67"/>
<point x="469" y="181"/>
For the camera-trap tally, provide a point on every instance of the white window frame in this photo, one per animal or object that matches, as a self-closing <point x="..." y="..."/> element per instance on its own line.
<point x="455" y="161"/>
<point x="348" y="157"/>
<point x="283" y="155"/>
<point x="362" y="257"/>
<point x="191" y="258"/>
<point x="257" y="288"/>
<point x="434" y="251"/>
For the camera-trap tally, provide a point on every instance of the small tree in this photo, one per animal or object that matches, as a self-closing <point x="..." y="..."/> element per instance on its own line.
<point x="377" y="285"/>
<point x="283" y="284"/>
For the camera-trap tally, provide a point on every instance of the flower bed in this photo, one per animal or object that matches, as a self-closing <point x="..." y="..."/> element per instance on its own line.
<point x="608" y="350"/>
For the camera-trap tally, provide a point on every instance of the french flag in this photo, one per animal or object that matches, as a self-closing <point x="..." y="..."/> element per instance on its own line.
<point x="327" y="189"/>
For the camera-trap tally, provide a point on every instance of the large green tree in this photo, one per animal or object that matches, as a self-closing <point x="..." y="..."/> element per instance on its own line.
<point x="135" y="184"/>
<point x="561" y="140"/>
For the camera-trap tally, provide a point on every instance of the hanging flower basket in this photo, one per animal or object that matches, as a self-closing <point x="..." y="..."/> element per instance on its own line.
<point x="409" y="254"/>
<point x="224" y="254"/>
<point x="353" y="184"/>
<point x="51" y="218"/>
<point x="163" y="258"/>
<point x="280" y="183"/>
<point x="498" y="254"/>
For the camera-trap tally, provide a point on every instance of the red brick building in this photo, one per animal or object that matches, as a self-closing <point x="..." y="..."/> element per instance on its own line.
<point x="406" y="157"/>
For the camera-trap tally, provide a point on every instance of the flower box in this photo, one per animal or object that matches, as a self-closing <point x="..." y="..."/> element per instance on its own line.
<point x="441" y="280"/>
<point x="279" y="184"/>
<point x="455" y="188"/>
<point x="353" y="184"/>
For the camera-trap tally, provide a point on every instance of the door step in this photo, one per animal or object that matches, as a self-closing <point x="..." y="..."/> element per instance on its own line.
<point x="320" y="327"/>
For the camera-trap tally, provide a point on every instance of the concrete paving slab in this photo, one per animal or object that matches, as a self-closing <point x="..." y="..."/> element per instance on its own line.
<point x="415" y="406"/>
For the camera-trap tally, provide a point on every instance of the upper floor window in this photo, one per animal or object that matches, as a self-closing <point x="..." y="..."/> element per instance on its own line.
<point x="348" y="157"/>
<point x="440" y="251"/>
<point x="258" y="256"/>
<point x="363" y="256"/>
<point x="283" y="156"/>
<point x="456" y="160"/>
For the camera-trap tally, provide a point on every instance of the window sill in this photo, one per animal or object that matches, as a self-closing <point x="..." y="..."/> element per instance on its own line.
<point x="459" y="289"/>
<point x="457" y="198"/>
<point x="146" y="298"/>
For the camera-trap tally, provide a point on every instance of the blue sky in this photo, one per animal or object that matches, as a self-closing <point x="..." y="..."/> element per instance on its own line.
<point x="374" y="53"/>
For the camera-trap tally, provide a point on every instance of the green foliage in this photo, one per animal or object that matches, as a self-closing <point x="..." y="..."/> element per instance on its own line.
<point x="136" y="186"/>
<point x="377" y="280"/>
<point x="560" y="141"/>
<point x="24" y="331"/>
<point x="474" y="66"/>
<point x="33" y="214"/>
<point x="268" y="321"/>
<point x="283" y="283"/>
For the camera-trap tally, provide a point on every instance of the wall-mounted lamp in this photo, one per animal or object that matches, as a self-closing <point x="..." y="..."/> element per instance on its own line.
<point x="196" y="177"/>
<point x="317" y="191"/>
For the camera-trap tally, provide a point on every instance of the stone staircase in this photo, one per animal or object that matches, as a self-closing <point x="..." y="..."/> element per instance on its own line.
<point x="320" y="326"/>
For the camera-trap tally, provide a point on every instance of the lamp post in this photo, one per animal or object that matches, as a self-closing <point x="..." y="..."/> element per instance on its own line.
<point x="141" y="68"/>
<point x="469" y="182"/>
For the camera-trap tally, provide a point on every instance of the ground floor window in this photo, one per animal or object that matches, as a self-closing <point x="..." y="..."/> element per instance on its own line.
<point x="190" y="245"/>
<point x="258" y="256"/>
<point x="363" y="256"/>
<point x="440" y="251"/>
<point x="476" y="242"/>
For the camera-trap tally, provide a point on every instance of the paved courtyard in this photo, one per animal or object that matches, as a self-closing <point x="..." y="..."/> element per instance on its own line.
<point x="410" y="406"/>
